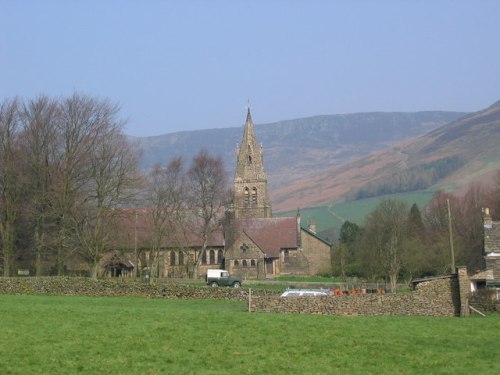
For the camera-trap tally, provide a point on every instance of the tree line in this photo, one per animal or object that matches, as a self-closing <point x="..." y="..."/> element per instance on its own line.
<point x="397" y="242"/>
<point x="67" y="171"/>
<point x="415" y="178"/>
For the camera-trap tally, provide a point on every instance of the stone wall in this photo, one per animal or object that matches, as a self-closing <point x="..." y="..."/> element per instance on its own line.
<point x="80" y="286"/>
<point x="295" y="263"/>
<point x="430" y="298"/>
<point x="436" y="297"/>
<point x="485" y="300"/>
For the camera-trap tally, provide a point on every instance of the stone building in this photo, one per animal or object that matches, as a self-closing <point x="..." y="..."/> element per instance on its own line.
<point x="491" y="276"/>
<point x="252" y="243"/>
<point x="259" y="245"/>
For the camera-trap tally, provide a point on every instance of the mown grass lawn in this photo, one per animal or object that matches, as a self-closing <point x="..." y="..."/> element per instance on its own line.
<point x="71" y="335"/>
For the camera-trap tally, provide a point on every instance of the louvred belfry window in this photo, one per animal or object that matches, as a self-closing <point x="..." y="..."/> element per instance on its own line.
<point x="254" y="196"/>
<point x="246" y="198"/>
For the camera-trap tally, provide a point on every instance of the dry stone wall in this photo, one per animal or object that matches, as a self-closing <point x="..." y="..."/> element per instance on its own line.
<point x="431" y="298"/>
<point x="80" y="286"/>
<point x="437" y="297"/>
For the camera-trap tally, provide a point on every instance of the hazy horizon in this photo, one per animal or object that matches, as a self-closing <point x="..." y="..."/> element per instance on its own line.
<point x="193" y="65"/>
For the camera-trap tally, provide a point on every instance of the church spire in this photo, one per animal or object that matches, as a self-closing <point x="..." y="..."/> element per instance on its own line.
<point x="250" y="182"/>
<point x="250" y="159"/>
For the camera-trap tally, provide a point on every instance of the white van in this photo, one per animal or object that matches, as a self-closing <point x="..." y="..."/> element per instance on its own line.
<point x="305" y="293"/>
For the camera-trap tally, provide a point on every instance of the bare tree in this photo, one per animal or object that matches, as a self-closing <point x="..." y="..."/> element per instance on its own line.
<point x="416" y="255"/>
<point x="81" y="122"/>
<point x="437" y="231"/>
<point x="167" y="197"/>
<point x="113" y="175"/>
<point x="10" y="193"/>
<point x="39" y="143"/>
<point x="65" y="166"/>
<point x="385" y="238"/>
<point x="208" y="193"/>
<point x="493" y="200"/>
<point x="469" y="226"/>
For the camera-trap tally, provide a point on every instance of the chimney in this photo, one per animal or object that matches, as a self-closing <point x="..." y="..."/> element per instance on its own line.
<point x="488" y="223"/>
<point x="299" y="237"/>
<point x="312" y="226"/>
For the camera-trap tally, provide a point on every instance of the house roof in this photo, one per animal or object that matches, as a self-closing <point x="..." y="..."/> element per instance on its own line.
<point x="492" y="237"/>
<point x="485" y="275"/>
<point x="271" y="234"/>
<point x="136" y="227"/>
<point x="326" y="242"/>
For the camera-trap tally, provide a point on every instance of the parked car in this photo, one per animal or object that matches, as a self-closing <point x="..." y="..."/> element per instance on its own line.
<point x="306" y="293"/>
<point x="216" y="278"/>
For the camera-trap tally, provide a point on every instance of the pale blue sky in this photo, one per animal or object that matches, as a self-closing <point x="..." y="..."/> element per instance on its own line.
<point x="184" y="65"/>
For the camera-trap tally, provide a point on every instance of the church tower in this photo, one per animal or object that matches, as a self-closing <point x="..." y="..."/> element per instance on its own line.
<point x="250" y="182"/>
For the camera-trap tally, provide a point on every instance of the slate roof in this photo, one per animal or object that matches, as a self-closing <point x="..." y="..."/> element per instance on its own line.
<point x="135" y="224"/>
<point x="492" y="237"/>
<point x="325" y="241"/>
<point x="272" y="234"/>
<point x="485" y="275"/>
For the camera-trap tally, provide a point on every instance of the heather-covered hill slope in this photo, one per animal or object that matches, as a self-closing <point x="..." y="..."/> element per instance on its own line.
<point x="449" y="157"/>
<point x="301" y="147"/>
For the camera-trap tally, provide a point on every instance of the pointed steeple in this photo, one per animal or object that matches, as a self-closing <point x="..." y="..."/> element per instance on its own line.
<point x="250" y="181"/>
<point x="249" y="116"/>
<point x="249" y="163"/>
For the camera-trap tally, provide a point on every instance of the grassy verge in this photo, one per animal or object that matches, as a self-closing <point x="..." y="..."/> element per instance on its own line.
<point x="69" y="335"/>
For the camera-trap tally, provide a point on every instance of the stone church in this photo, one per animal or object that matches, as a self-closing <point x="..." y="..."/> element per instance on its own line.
<point x="251" y="244"/>
<point x="259" y="245"/>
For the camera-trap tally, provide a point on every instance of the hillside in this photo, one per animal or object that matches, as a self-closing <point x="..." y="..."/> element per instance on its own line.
<point x="297" y="148"/>
<point x="448" y="157"/>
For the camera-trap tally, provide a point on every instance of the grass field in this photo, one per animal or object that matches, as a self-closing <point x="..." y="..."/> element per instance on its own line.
<point x="71" y="335"/>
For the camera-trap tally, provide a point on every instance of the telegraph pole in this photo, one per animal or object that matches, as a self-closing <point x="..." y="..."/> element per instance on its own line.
<point x="453" y="269"/>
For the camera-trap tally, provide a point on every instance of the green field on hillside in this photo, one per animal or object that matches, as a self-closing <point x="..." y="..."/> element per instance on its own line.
<point x="333" y="216"/>
<point x="70" y="335"/>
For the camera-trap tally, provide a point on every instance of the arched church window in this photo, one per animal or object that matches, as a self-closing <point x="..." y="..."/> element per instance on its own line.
<point x="172" y="258"/>
<point x="254" y="196"/>
<point x="236" y="263"/>
<point x="220" y="255"/>
<point x="212" y="257"/>
<point x="181" y="258"/>
<point x="252" y="263"/>
<point x="244" y="263"/>
<point x="204" y="258"/>
<point x="286" y="256"/>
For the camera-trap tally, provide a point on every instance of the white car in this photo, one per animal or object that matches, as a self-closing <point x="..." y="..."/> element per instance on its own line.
<point x="305" y="293"/>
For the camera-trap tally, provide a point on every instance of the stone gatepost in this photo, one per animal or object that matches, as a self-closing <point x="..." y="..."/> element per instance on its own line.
<point x="464" y="290"/>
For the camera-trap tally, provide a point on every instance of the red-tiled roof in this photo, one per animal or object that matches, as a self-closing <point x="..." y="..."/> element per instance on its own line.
<point x="272" y="234"/>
